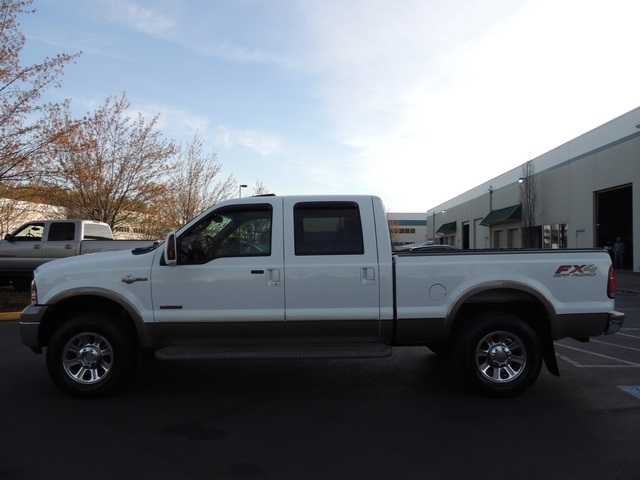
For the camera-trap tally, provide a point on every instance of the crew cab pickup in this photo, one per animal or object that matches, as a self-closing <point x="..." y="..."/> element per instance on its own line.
<point x="312" y="277"/>
<point x="35" y="243"/>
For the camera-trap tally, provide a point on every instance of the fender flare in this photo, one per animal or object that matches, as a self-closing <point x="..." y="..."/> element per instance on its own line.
<point x="546" y="339"/>
<point x="144" y="330"/>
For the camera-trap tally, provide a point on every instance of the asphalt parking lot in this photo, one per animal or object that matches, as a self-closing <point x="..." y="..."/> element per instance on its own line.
<point x="405" y="417"/>
<point x="614" y="352"/>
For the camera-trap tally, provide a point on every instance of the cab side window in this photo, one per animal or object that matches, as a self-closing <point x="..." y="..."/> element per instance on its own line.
<point x="61" y="232"/>
<point x="30" y="233"/>
<point x="229" y="232"/>
<point x="328" y="228"/>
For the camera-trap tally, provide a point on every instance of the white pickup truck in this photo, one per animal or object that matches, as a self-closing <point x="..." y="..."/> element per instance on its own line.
<point x="312" y="277"/>
<point x="35" y="243"/>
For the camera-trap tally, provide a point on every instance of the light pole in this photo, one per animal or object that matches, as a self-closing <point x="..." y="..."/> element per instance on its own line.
<point x="241" y="187"/>
<point x="490" y="210"/>
<point x="490" y="198"/>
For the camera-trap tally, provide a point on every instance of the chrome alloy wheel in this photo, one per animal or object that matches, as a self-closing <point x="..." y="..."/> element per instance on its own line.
<point x="87" y="358"/>
<point x="501" y="357"/>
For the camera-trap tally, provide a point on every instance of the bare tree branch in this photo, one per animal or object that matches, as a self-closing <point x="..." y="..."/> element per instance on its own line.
<point x="529" y="200"/>
<point x="22" y="132"/>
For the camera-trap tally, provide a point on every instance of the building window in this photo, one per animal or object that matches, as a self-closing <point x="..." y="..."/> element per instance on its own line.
<point x="409" y="231"/>
<point x="554" y="236"/>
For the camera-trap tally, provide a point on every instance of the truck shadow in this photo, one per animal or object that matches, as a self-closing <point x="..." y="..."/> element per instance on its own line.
<point x="416" y="369"/>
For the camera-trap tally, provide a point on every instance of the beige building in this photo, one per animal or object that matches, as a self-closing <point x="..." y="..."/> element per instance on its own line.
<point x="586" y="192"/>
<point x="407" y="228"/>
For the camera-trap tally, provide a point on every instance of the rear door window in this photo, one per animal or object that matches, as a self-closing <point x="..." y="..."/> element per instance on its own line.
<point x="328" y="228"/>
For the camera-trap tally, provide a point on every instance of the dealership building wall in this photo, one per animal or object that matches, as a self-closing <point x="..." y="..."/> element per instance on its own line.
<point x="587" y="194"/>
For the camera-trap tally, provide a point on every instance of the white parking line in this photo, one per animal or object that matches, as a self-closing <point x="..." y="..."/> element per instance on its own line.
<point x="616" y="345"/>
<point x="575" y="364"/>
<point x="633" y="390"/>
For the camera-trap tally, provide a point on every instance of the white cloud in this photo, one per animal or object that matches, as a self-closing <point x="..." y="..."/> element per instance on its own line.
<point x="263" y="143"/>
<point x="174" y="122"/>
<point x="438" y="98"/>
<point x="419" y="101"/>
<point x="137" y="17"/>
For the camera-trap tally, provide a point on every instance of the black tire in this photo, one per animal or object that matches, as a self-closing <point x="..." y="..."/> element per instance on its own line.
<point x="498" y="354"/>
<point x="441" y="349"/>
<point x="90" y="355"/>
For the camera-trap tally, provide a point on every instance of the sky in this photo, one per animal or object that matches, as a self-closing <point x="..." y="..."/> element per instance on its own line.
<point x="415" y="101"/>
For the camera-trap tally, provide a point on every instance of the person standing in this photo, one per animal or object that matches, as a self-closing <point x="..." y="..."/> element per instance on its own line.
<point x="618" y="252"/>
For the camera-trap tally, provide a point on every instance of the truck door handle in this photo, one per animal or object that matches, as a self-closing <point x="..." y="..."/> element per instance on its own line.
<point x="36" y="247"/>
<point x="68" y="247"/>
<point x="367" y="276"/>
<point x="273" y="277"/>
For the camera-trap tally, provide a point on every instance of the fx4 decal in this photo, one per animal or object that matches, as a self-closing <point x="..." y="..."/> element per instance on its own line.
<point x="576" y="271"/>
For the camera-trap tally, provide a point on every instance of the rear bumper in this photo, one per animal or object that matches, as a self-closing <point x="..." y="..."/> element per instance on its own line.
<point x="585" y="325"/>
<point x="614" y="322"/>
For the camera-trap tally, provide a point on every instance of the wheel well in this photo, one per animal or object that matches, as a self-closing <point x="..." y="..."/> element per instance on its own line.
<point x="70" y="307"/>
<point x="524" y="305"/>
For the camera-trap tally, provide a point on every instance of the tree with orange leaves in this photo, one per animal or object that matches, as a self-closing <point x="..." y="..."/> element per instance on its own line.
<point x="109" y="166"/>
<point x="22" y="133"/>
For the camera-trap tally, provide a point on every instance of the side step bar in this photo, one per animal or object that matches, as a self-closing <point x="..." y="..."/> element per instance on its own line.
<point x="270" y="352"/>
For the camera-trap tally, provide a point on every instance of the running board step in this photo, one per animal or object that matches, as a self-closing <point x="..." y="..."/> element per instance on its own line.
<point x="199" y="352"/>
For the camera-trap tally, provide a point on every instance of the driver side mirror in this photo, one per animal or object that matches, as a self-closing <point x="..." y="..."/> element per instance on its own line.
<point x="170" y="249"/>
<point x="8" y="237"/>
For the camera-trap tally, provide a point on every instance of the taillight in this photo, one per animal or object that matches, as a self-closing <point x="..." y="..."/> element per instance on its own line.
<point x="611" y="284"/>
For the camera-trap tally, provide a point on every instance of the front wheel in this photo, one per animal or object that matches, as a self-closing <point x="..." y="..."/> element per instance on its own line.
<point x="90" y="355"/>
<point x="498" y="354"/>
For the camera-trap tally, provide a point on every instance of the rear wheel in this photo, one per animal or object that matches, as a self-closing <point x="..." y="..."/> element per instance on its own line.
<point x="499" y="354"/>
<point x="90" y="355"/>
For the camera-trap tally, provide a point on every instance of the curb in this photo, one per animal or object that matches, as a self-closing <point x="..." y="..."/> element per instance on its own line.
<point x="9" y="316"/>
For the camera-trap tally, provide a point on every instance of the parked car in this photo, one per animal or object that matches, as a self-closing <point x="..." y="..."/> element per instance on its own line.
<point x="409" y="246"/>
<point x="41" y="241"/>
<point x="432" y="248"/>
